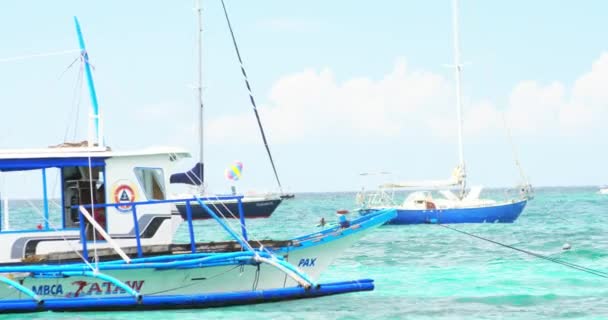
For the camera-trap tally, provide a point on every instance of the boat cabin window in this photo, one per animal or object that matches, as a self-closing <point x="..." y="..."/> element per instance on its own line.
<point x="81" y="186"/>
<point x="152" y="181"/>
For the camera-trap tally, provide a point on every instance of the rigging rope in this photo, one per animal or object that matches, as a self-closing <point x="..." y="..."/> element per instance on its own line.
<point x="598" y="273"/>
<point x="38" y="55"/>
<point x="65" y="239"/>
<point x="514" y="150"/>
<point x="255" y="109"/>
<point x="76" y="100"/>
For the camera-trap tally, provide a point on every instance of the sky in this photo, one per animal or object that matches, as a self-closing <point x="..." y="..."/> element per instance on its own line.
<point x="343" y="87"/>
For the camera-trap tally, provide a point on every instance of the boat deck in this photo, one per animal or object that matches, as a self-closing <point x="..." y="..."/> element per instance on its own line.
<point x="108" y="254"/>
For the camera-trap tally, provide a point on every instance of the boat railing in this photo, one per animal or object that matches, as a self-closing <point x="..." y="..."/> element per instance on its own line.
<point x="248" y="252"/>
<point x="376" y="198"/>
<point x="83" y="214"/>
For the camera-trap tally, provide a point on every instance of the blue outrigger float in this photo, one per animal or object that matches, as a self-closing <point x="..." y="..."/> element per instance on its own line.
<point x="113" y="248"/>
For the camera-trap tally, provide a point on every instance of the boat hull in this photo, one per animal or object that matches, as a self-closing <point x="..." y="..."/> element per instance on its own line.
<point x="253" y="209"/>
<point x="190" y="285"/>
<point x="499" y="213"/>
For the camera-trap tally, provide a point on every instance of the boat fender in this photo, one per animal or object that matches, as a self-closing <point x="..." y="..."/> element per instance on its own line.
<point x="433" y="220"/>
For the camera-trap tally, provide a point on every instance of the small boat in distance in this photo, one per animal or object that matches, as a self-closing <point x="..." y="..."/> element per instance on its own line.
<point x="465" y="206"/>
<point x="254" y="206"/>
<point x="603" y="190"/>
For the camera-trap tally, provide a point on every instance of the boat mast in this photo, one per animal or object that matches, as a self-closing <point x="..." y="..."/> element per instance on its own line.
<point x="199" y="88"/>
<point x="458" y="70"/>
<point x="95" y="130"/>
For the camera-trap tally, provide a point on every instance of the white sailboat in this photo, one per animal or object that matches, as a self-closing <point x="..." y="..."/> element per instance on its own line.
<point x="464" y="206"/>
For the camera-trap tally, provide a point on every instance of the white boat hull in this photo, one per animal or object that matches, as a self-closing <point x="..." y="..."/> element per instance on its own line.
<point x="311" y="259"/>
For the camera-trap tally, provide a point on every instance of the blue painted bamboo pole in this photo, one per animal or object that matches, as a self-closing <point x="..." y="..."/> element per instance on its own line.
<point x="45" y="200"/>
<point x="90" y="84"/>
<point x="190" y="226"/>
<point x="20" y="287"/>
<point x="243" y="243"/>
<point x="165" y="301"/>
<point x="83" y="236"/>
<point x="140" y="253"/>
<point x="242" y="217"/>
<point x="213" y="260"/>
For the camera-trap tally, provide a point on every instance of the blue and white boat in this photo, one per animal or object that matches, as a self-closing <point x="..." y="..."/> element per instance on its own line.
<point x="112" y="246"/>
<point x="434" y="201"/>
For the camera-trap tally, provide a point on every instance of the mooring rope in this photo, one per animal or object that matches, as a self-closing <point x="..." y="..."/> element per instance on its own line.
<point x="534" y="254"/>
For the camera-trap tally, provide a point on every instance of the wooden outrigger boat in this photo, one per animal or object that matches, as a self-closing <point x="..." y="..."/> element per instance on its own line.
<point x="114" y="249"/>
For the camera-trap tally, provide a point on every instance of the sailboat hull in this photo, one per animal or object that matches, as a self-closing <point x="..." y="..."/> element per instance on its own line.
<point x="257" y="208"/>
<point x="499" y="213"/>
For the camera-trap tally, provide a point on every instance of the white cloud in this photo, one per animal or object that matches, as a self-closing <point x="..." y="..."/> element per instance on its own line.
<point x="557" y="110"/>
<point x="314" y="105"/>
<point x="533" y="108"/>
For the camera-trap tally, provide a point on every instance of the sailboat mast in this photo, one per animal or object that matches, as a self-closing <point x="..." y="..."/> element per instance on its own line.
<point x="199" y="88"/>
<point x="458" y="74"/>
<point x="95" y="135"/>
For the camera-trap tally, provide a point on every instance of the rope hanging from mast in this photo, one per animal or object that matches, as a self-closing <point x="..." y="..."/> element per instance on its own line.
<point x="526" y="187"/>
<point x="255" y="109"/>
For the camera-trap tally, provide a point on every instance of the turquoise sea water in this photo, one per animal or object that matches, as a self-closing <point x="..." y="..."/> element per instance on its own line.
<point x="429" y="272"/>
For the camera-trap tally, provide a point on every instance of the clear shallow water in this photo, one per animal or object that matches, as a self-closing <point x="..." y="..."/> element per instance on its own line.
<point x="428" y="272"/>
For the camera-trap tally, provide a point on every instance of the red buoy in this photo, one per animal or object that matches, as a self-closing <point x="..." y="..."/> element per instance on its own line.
<point x="342" y="211"/>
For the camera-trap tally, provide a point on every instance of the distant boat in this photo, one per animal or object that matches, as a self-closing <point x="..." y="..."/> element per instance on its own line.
<point x="603" y="190"/>
<point x="259" y="206"/>
<point x="465" y="206"/>
<point x="287" y="196"/>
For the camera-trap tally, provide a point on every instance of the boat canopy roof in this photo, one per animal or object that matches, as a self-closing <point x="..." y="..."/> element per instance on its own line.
<point x="455" y="179"/>
<point x="431" y="184"/>
<point x="31" y="159"/>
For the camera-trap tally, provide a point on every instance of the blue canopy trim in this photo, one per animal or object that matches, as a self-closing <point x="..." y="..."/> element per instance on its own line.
<point x="41" y="163"/>
<point x="193" y="176"/>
